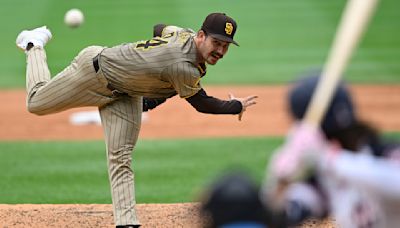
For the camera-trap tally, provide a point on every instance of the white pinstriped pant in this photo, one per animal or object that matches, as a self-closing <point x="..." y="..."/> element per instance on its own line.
<point x="79" y="85"/>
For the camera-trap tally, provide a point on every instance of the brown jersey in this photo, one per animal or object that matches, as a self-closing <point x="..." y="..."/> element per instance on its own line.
<point x="156" y="68"/>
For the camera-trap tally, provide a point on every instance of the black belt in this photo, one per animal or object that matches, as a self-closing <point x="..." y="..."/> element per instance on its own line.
<point x="96" y="67"/>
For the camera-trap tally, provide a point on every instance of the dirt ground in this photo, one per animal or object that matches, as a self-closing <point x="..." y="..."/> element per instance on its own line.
<point x="380" y="105"/>
<point x="184" y="215"/>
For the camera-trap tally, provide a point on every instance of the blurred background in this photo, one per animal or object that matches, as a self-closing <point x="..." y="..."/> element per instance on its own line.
<point x="279" y="40"/>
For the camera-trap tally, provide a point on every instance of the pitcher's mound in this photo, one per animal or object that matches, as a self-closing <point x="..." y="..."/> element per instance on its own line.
<point x="100" y="215"/>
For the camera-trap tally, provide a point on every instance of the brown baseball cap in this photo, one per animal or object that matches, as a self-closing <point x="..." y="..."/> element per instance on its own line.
<point x="220" y="26"/>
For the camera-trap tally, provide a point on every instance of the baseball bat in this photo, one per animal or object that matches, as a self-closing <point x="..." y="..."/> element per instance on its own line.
<point x="353" y="23"/>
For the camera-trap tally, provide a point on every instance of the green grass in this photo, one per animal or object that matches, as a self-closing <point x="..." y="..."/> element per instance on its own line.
<point x="166" y="170"/>
<point x="279" y="39"/>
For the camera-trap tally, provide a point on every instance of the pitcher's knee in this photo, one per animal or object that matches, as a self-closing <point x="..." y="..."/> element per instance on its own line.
<point x="36" y="109"/>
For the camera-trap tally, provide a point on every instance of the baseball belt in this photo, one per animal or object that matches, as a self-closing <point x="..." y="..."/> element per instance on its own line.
<point x="113" y="90"/>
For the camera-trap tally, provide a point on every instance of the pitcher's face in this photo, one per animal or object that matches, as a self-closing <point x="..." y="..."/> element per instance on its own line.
<point x="210" y="49"/>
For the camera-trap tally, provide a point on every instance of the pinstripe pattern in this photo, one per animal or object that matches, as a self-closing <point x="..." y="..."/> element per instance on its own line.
<point x="79" y="85"/>
<point x="121" y="121"/>
<point x="159" y="71"/>
<point x="159" y="68"/>
<point x="76" y="86"/>
<point x="37" y="71"/>
<point x="183" y="78"/>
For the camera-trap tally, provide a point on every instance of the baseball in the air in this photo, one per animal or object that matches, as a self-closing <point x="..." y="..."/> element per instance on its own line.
<point x="74" y="18"/>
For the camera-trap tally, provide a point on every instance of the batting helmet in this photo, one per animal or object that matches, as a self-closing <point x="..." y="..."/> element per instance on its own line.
<point x="234" y="200"/>
<point x="340" y="113"/>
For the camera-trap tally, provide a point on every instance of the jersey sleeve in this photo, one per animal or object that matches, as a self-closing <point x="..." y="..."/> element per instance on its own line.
<point x="212" y="105"/>
<point x="184" y="77"/>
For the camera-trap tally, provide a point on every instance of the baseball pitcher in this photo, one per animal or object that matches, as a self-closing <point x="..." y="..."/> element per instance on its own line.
<point x="115" y="79"/>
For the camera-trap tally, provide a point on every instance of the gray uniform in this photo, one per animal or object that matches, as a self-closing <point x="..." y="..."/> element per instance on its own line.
<point x="158" y="68"/>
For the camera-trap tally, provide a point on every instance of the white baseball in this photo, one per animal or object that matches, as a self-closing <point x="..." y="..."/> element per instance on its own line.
<point x="73" y="18"/>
